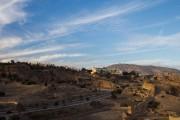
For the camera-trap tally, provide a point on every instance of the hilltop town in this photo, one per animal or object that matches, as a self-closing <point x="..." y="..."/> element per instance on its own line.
<point x="48" y="92"/>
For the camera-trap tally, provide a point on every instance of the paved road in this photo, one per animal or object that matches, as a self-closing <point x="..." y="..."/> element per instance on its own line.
<point x="61" y="106"/>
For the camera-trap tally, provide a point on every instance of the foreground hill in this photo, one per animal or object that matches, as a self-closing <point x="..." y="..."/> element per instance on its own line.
<point x="37" y="73"/>
<point x="142" y="69"/>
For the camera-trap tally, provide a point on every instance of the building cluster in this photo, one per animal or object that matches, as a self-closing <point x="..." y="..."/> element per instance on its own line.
<point x="105" y="71"/>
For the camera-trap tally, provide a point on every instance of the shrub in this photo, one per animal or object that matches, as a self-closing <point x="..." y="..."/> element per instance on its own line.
<point x="15" y="118"/>
<point x="56" y="103"/>
<point x="113" y="95"/>
<point x="119" y="91"/>
<point x="95" y="104"/>
<point x="153" y="104"/>
<point x="173" y="91"/>
<point x="2" y="94"/>
<point x="87" y="98"/>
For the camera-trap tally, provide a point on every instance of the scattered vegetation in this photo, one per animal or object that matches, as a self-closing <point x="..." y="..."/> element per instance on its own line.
<point x="173" y="91"/>
<point x="113" y="95"/>
<point x="153" y="104"/>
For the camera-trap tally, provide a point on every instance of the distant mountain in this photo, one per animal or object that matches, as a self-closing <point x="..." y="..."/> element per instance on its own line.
<point x="142" y="69"/>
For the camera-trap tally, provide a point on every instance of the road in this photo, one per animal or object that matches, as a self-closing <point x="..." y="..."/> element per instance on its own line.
<point x="61" y="106"/>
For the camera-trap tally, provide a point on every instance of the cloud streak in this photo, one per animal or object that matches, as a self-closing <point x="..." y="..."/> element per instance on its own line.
<point x="57" y="56"/>
<point x="156" y="62"/>
<point x="37" y="50"/>
<point x="8" y="42"/>
<point x="72" y="25"/>
<point x="149" y="42"/>
<point x="29" y="52"/>
<point x="60" y="29"/>
<point x="11" y="11"/>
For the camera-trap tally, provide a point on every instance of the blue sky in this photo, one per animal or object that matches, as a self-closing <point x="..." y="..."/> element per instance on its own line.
<point x="88" y="33"/>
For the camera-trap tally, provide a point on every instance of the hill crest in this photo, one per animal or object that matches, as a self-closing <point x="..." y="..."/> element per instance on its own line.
<point x="143" y="69"/>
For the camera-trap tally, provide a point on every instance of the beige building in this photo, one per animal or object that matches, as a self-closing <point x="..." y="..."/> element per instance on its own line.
<point x="104" y="70"/>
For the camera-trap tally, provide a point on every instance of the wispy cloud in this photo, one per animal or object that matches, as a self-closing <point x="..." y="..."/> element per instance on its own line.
<point x="156" y="62"/>
<point x="74" y="24"/>
<point x="57" y="56"/>
<point x="37" y="50"/>
<point x="108" y="13"/>
<point x="178" y="17"/>
<point x="11" y="11"/>
<point x="159" y="24"/>
<point x="149" y="42"/>
<point x="8" y="42"/>
<point x="44" y="53"/>
<point x="28" y="52"/>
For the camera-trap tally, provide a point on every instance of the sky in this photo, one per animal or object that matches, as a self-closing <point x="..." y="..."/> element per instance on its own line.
<point x="91" y="33"/>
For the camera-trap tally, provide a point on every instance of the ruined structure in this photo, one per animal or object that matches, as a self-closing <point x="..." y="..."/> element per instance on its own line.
<point x="148" y="86"/>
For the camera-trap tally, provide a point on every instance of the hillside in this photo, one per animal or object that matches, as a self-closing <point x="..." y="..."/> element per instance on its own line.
<point x="142" y="69"/>
<point x="37" y="73"/>
<point x="49" y="92"/>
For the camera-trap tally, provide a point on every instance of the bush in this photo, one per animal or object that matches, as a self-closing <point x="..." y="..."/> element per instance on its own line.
<point x="113" y="95"/>
<point x="28" y="82"/>
<point x="173" y="91"/>
<point x="15" y="118"/>
<point x="13" y="77"/>
<point x="87" y="99"/>
<point x="2" y="94"/>
<point x="153" y="104"/>
<point x="119" y="91"/>
<point x="96" y="104"/>
<point x="56" y="103"/>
